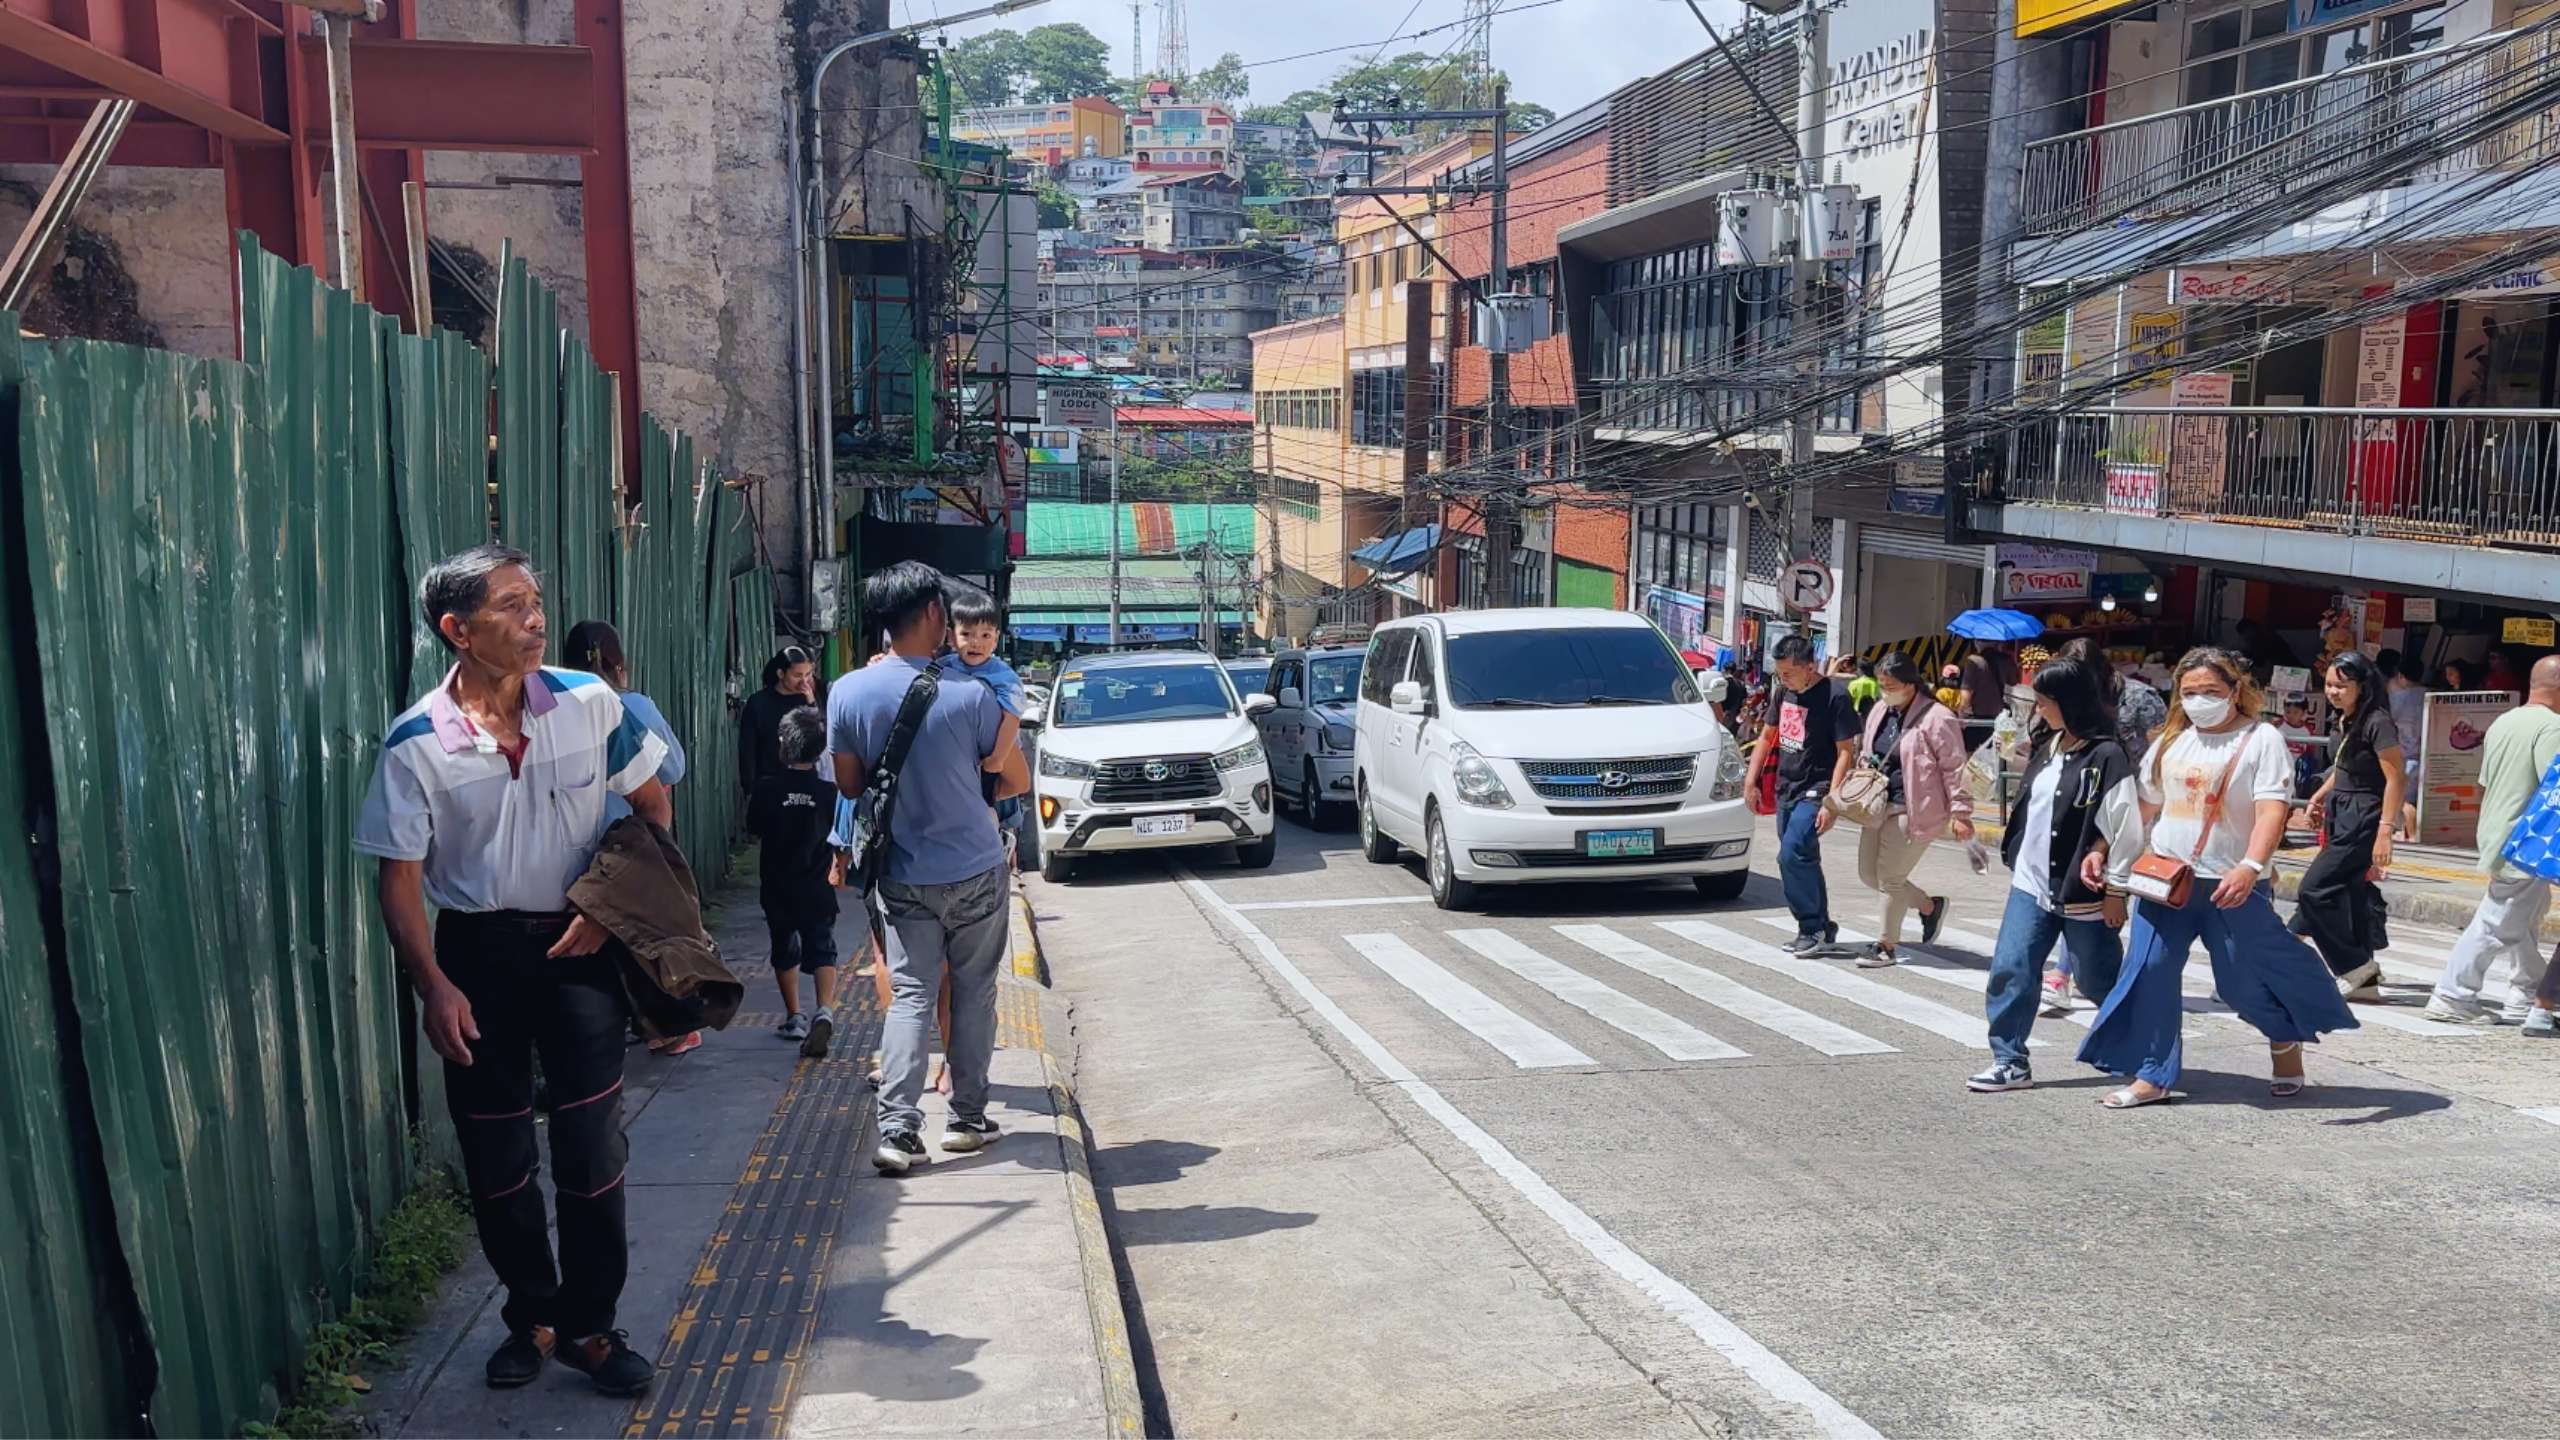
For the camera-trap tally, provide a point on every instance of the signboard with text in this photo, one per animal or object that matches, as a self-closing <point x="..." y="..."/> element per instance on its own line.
<point x="2133" y="489"/>
<point x="1079" y="405"/>
<point x="2457" y="722"/>
<point x="2030" y="575"/>
<point x="2228" y="285"/>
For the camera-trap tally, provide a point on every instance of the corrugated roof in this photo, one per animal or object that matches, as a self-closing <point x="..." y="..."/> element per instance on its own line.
<point x="1081" y="584"/>
<point x="1062" y="528"/>
<point x="1184" y="415"/>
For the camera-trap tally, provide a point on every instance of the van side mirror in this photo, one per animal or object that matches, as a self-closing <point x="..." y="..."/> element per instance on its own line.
<point x="1406" y="697"/>
<point x="1290" y="699"/>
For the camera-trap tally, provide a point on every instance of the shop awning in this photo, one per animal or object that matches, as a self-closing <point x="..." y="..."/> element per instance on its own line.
<point x="1398" y="553"/>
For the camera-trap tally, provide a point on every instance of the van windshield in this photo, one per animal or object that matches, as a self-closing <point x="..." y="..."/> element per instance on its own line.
<point x="1123" y="695"/>
<point x="1562" y="669"/>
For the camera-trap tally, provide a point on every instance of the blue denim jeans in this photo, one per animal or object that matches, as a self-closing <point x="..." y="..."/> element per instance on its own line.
<point x="1800" y="865"/>
<point x="2092" y="956"/>
<point x="2260" y="969"/>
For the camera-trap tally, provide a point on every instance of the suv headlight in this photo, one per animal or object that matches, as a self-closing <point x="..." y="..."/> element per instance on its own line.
<point x="1337" y="734"/>
<point x="1476" y="781"/>
<point x="1064" y="768"/>
<point x="1729" y="772"/>
<point x="1248" y="753"/>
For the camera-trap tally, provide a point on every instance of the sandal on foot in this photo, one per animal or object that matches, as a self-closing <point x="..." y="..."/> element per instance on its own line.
<point x="2285" y="1087"/>
<point x="2129" y="1098"/>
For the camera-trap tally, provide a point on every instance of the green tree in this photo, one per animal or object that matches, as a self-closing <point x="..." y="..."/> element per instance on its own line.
<point x="1530" y="116"/>
<point x="1224" y="82"/>
<point x="1291" y="106"/>
<point x="986" y="69"/>
<point x="1062" y="62"/>
<point x="1057" y="207"/>
<point x="1267" y="176"/>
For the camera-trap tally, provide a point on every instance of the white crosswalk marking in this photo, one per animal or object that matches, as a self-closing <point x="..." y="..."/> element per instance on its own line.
<point x="1971" y="1031"/>
<point x="1801" y="1026"/>
<point x="2196" y="998"/>
<point x="1488" y="1019"/>
<point x="1666" y="1033"/>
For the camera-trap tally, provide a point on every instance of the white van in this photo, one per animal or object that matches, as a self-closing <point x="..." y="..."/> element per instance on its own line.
<point x="1525" y="746"/>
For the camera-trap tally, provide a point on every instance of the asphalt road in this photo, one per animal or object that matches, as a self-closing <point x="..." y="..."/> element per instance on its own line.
<point x="1602" y="1161"/>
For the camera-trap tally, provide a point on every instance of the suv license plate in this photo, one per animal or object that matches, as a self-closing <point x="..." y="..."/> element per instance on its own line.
<point x="1617" y="844"/>
<point x="1181" y="825"/>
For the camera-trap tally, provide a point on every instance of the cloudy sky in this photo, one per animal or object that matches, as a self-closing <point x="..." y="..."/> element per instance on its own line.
<point x="1559" y="53"/>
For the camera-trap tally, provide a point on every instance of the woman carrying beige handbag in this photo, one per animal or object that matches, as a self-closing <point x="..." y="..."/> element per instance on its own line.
<point x="1910" y="784"/>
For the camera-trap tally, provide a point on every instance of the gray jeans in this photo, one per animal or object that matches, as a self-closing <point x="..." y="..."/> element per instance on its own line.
<point x="959" y="928"/>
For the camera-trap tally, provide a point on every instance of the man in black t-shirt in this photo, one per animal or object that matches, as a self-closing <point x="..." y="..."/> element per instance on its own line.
<point x="1812" y="737"/>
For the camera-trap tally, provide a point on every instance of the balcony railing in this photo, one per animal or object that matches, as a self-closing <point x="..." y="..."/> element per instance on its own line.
<point x="2220" y="153"/>
<point x="2468" y="477"/>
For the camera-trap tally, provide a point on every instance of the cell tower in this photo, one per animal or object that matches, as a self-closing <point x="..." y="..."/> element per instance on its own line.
<point x="1479" y="42"/>
<point x="1137" y="49"/>
<point x="1173" y="43"/>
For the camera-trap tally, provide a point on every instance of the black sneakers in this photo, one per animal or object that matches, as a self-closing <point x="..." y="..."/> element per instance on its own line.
<point x="2005" y="1075"/>
<point x="1807" y="944"/>
<point x="519" y="1360"/>
<point x="1931" y="922"/>
<point x="962" y="1136"/>
<point x="609" y="1361"/>
<point x="822" y="1032"/>
<point x="899" y="1152"/>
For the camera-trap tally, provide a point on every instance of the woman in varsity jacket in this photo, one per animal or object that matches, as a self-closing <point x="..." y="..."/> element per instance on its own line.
<point x="2080" y="793"/>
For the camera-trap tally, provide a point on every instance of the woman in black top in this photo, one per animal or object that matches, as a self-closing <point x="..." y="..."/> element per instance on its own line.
<point x="2339" y="909"/>
<point x="790" y="681"/>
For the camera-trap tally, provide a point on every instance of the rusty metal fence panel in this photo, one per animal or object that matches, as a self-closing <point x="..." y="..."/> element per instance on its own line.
<point x="207" y="615"/>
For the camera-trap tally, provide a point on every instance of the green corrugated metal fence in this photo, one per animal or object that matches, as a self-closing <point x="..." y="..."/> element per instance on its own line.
<point x="206" y="620"/>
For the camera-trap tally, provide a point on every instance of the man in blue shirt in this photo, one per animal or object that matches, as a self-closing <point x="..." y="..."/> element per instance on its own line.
<point x="944" y="884"/>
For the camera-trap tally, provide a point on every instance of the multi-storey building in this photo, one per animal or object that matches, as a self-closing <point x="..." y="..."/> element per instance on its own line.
<point x="1395" y="339"/>
<point x="1688" y="362"/>
<point x="1571" y="542"/>
<point x="1190" y="211"/>
<point x="1130" y="308"/>
<point x="1309" y="515"/>
<point x="1049" y="134"/>
<point x="2287" y="346"/>
<point x="1167" y="133"/>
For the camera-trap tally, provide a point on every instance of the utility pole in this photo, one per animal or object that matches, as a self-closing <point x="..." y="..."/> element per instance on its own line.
<point x="1501" y="523"/>
<point x="1501" y="512"/>
<point x="1114" y="521"/>
<point x="1812" y="84"/>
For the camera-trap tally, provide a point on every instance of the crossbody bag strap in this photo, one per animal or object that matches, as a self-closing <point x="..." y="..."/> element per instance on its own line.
<point x="2213" y="801"/>
<point x="912" y="708"/>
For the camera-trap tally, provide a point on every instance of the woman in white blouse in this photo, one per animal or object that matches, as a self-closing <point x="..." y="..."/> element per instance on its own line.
<point x="2216" y="789"/>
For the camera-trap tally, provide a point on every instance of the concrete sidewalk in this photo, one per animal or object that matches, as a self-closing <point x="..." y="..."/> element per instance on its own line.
<point x="788" y="1290"/>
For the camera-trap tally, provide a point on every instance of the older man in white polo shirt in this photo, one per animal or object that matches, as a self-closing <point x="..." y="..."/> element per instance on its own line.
<point x="489" y="800"/>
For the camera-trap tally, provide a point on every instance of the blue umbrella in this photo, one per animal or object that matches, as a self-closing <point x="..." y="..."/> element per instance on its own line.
<point x="1996" y="625"/>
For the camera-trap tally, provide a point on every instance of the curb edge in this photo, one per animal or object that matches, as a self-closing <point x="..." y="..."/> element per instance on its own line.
<point x="1122" y="1403"/>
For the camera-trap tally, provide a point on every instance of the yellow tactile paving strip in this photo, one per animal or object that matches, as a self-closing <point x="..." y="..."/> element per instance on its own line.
<point x="732" y="1357"/>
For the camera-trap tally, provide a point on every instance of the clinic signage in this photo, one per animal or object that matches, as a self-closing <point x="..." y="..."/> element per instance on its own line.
<point x="2035" y="574"/>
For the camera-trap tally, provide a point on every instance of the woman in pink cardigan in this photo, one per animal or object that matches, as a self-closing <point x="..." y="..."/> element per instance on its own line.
<point x="1919" y="745"/>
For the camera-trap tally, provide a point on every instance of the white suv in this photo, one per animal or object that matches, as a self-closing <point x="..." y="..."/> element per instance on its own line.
<point x="1518" y="746"/>
<point x="1150" y="750"/>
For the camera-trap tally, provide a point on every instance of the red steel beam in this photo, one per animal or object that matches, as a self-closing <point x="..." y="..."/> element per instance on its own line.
<point x="452" y="95"/>
<point x="177" y="59"/>
<point x="613" y="295"/>
<point x="164" y="144"/>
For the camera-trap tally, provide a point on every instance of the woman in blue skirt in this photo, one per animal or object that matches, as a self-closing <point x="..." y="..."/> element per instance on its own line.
<point x="2216" y="789"/>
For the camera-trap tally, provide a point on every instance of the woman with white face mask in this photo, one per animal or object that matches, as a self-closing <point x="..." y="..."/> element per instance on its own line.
<point x="2216" y="789"/>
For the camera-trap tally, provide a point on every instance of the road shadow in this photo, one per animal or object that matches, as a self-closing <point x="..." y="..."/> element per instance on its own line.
<point x="1583" y="899"/>
<point x="2221" y="1087"/>
<point x="1149" y="1162"/>
<point x="1205" y="1224"/>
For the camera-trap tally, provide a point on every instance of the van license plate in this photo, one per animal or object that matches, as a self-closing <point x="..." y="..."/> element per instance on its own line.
<point x="1173" y="825"/>
<point x="1617" y="844"/>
